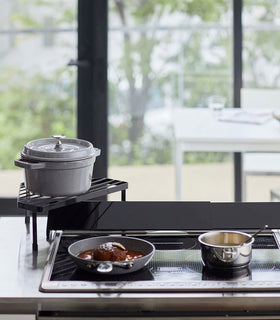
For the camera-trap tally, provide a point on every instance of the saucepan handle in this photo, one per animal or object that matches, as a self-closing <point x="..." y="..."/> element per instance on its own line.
<point x="29" y="165"/>
<point x="226" y="254"/>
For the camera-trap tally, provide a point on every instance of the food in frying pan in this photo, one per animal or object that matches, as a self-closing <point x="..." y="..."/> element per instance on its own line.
<point x="110" y="251"/>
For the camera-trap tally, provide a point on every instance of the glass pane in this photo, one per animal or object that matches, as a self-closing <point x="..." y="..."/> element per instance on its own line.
<point x="261" y="44"/>
<point x="261" y="82"/>
<point x="37" y="100"/>
<point x="165" y="55"/>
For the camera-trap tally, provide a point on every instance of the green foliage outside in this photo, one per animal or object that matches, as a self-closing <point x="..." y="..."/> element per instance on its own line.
<point x="32" y="108"/>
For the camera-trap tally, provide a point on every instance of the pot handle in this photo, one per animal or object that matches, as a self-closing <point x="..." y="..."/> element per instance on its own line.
<point x="29" y="165"/>
<point x="97" y="152"/>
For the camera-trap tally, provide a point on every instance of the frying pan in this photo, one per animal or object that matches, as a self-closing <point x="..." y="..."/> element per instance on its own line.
<point x="112" y="267"/>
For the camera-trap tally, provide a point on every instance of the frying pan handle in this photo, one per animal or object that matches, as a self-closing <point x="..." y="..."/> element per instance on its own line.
<point x="107" y="266"/>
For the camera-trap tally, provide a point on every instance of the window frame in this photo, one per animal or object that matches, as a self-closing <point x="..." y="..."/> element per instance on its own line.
<point x="92" y="97"/>
<point x="237" y="85"/>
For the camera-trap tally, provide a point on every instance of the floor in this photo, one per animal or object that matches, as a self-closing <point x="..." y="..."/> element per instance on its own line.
<point x="212" y="182"/>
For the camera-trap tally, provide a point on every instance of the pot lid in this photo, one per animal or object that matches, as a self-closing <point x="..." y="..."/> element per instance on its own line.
<point x="59" y="148"/>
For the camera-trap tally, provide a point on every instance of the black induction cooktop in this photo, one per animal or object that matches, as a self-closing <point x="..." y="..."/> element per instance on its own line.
<point x="176" y="267"/>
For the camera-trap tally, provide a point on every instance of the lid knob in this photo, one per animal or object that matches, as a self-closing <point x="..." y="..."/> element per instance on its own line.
<point x="58" y="145"/>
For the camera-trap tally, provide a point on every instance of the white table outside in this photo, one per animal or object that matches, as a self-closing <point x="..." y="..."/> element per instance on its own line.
<point x="197" y="129"/>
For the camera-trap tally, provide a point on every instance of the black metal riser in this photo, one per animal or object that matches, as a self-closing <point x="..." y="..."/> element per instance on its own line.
<point x="35" y="204"/>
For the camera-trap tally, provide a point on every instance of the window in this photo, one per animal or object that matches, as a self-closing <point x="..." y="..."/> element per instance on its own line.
<point x="37" y="88"/>
<point x="261" y="80"/>
<point x="164" y="55"/>
<point x="161" y="55"/>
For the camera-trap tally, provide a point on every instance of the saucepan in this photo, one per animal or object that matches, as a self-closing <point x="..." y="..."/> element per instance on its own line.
<point x="226" y="249"/>
<point x="112" y="267"/>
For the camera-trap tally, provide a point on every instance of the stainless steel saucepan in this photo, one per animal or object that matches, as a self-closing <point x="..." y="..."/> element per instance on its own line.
<point x="226" y="249"/>
<point x="112" y="267"/>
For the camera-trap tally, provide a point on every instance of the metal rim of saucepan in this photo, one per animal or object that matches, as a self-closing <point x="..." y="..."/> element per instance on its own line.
<point x="112" y="267"/>
<point x="209" y="233"/>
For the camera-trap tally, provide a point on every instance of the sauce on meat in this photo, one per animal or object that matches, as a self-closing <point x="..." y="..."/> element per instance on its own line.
<point x="130" y="254"/>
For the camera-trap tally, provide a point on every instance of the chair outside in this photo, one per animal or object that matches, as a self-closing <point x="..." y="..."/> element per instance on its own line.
<point x="275" y="195"/>
<point x="256" y="99"/>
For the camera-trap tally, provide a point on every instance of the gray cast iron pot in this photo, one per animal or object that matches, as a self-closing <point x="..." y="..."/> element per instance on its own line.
<point x="58" y="166"/>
